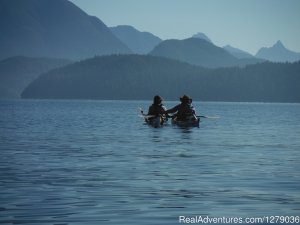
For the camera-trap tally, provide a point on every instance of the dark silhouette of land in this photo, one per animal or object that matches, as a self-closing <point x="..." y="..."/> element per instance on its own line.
<point x="141" y="77"/>
<point x="58" y="29"/>
<point x="51" y="34"/>
<point x="18" y="72"/>
<point x="198" y="51"/>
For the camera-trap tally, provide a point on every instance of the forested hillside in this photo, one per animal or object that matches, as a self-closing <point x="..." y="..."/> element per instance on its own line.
<point x="141" y="77"/>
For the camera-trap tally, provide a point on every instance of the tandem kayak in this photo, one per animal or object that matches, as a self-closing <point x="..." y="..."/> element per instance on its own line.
<point x="186" y="123"/>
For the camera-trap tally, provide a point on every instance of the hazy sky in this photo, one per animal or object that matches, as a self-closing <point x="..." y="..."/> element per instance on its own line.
<point x="245" y="24"/>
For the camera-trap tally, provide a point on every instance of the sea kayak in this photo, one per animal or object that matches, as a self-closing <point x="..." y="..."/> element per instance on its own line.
<point x="154" y="120"/>
<point x="186" y="123"/>
<point x="157" y="121"/>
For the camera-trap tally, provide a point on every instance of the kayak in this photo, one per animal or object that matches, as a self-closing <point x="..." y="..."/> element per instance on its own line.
<point x="157" y="121"/>
<point x="154" y="120"/>
<point x="186" y="123"/>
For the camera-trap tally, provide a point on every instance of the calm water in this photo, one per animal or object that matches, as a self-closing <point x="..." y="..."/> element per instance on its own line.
<point x="96" y="162"/>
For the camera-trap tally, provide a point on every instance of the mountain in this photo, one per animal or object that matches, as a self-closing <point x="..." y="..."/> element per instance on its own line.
<point x="199" y="52"/>
<point x="59" y="29"/>
<point x="240" y="54"/>
<point x="195" y="51"/>
<point x="143" y="76"/>
<point x="202" y="36"/>
<point x="278" y="53"/>
<point x="139" y="42"/>
<point x="17" y="72"/>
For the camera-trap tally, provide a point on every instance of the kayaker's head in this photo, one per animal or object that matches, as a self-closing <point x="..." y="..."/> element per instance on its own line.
<point x="186" y="99"/>
<point x="157" y="100"/>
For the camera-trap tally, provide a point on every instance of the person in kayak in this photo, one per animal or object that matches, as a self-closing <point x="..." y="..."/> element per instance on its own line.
<point x="158" y="111"/>
<point x="157" y="108"/>
<point x="185" y="110"/>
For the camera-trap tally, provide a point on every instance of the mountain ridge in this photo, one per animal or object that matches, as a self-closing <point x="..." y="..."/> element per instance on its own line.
<point x="238" y="53"/>
<point x="139" y="42"/>
<point x="202" y="36"/>
<point x="199" y="52"/>
<point x="29" y="28"/>
<point x="278" y="53"/>
<point x="143" y="76"/>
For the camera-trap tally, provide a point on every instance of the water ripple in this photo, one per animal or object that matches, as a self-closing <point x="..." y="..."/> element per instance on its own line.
<point x="79" y="162"/>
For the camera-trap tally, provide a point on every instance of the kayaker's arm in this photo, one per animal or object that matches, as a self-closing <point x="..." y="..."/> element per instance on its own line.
<point x="172" y="110"/>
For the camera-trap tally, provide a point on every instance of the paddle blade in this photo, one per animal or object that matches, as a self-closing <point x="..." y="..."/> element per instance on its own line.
<point x="209" y="117"/>
<point x="147" y="116"/>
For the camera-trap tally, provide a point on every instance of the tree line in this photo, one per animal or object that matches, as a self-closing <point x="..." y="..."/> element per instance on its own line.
<point x="141" y="77"/>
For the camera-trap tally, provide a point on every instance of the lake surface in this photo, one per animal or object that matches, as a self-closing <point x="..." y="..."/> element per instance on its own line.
<point x="96" y="162"/>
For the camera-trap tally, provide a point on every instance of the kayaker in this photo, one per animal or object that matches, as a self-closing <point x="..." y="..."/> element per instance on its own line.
<point x="157" y="108"/>
<point x="185" y="110"/>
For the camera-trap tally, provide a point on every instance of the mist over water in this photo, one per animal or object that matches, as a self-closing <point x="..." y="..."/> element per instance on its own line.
<point x="96" y="162"/>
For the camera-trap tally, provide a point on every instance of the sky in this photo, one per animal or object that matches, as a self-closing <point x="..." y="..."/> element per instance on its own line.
<point x="244" y="24"/>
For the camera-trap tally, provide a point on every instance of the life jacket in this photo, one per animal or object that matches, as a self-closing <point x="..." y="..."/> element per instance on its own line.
<point x="185" y="111"/>
<point x="156" y="110"/>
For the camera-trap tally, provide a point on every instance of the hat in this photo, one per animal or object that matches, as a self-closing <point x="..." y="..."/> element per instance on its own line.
<point x="185" y="98"/>
<point x="157" y="99"/>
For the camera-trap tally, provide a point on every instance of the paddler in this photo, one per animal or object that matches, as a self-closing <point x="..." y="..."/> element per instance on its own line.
<point x="185" y="110"/>
<point x="157" y="108"/>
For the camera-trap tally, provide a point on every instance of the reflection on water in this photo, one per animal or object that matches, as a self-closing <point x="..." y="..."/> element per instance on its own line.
<point x="180" y="135"/>
<point x="79" y="162"/>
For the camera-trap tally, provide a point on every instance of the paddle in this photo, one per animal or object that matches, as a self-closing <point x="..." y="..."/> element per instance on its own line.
<point x="144" y="115"/>
<point x="209" y="117"/>
<point x="168" y="116"/>
<point x="206" y="117"/>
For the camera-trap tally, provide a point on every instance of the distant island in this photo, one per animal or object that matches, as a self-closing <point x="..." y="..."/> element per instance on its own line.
<point x="141" y="77"/>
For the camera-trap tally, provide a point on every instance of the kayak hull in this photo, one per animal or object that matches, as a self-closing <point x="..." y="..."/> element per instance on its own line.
<point x="186" y="123"/>
<point x="157" y="121"/>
